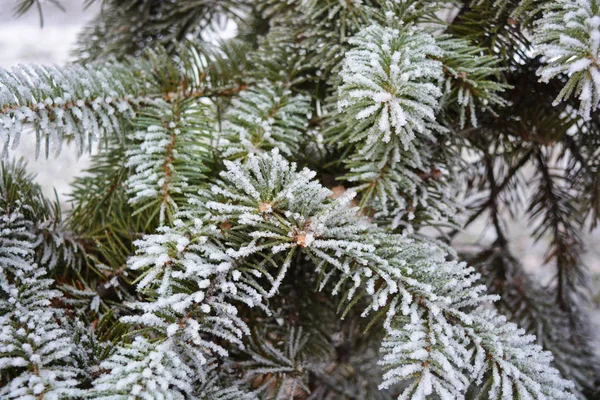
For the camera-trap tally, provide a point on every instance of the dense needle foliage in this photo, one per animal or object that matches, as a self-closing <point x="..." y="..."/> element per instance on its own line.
<point x="273" y="216"/>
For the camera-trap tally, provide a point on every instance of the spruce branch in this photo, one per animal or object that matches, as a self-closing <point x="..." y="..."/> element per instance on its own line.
<point x="568" y="38"/>
<point x="532" y="306"/>
<point x="472" y="79"/>
<point x="148" y="370"/>
<point x="265" y="117"/>
<point x="390" y="89"/>
<point x="80" y="102"/>
<point x="91" y="103"/>
<point x="273" y="212"/>
<point x="57" y="249"/>
<point x="37" y="355"/>
<point x="166" y="153"/>
<point x="386" y="122"/>
<point x="425" y="299"/>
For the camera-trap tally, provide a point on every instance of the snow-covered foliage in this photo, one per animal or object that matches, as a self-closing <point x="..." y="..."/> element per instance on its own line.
<point x="263" y="212"/>
<point x="529" y="304"/>
<point x="431" y="328"/>
<point x="471" y="79"/>
<point x="519" y="368"/>
<point x="144" y="370"/>
<point x="568" y="37"/>
<point x="285" y="210"/>
<point x="34" y="347"/>
<point x="266" y="117"/>
<point x="252" y="227"/>
<point x="386" y="119"/>
<point x="55" y="247"/>
<point x="191" y="268"/>
<point x="160" y="370"/>
<point x="97" y="101"/>
<point x="169" y="137"/>
<point x="391" y="89"/>
<point x="79" y="102"/>
<point x="193" y="285"/>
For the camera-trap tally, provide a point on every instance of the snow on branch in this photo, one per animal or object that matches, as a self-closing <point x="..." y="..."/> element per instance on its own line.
<point x="568" y="39"/>
<point x="391" y="87"/>
<point x="34" y="345"/>
<point x="88" y="103"/>
<point x="436" y="315"/>
<point x="264" y="212"/>
<point x="145" y="370"/>
<point x="265" y="117"/>
<point x="80" y="102"/>
<point x="472" y="79"/>
<point x="166" y="153"/>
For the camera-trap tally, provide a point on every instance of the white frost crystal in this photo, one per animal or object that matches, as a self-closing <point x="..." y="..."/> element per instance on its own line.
<point x="390" y="79"/>
<point x="568" y="37"/>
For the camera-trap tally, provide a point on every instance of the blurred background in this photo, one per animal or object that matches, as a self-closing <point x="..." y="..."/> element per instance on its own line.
<point x="23" y="40"/>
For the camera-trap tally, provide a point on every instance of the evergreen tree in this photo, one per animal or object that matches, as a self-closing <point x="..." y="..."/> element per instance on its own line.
<point x="272" y="216"/>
